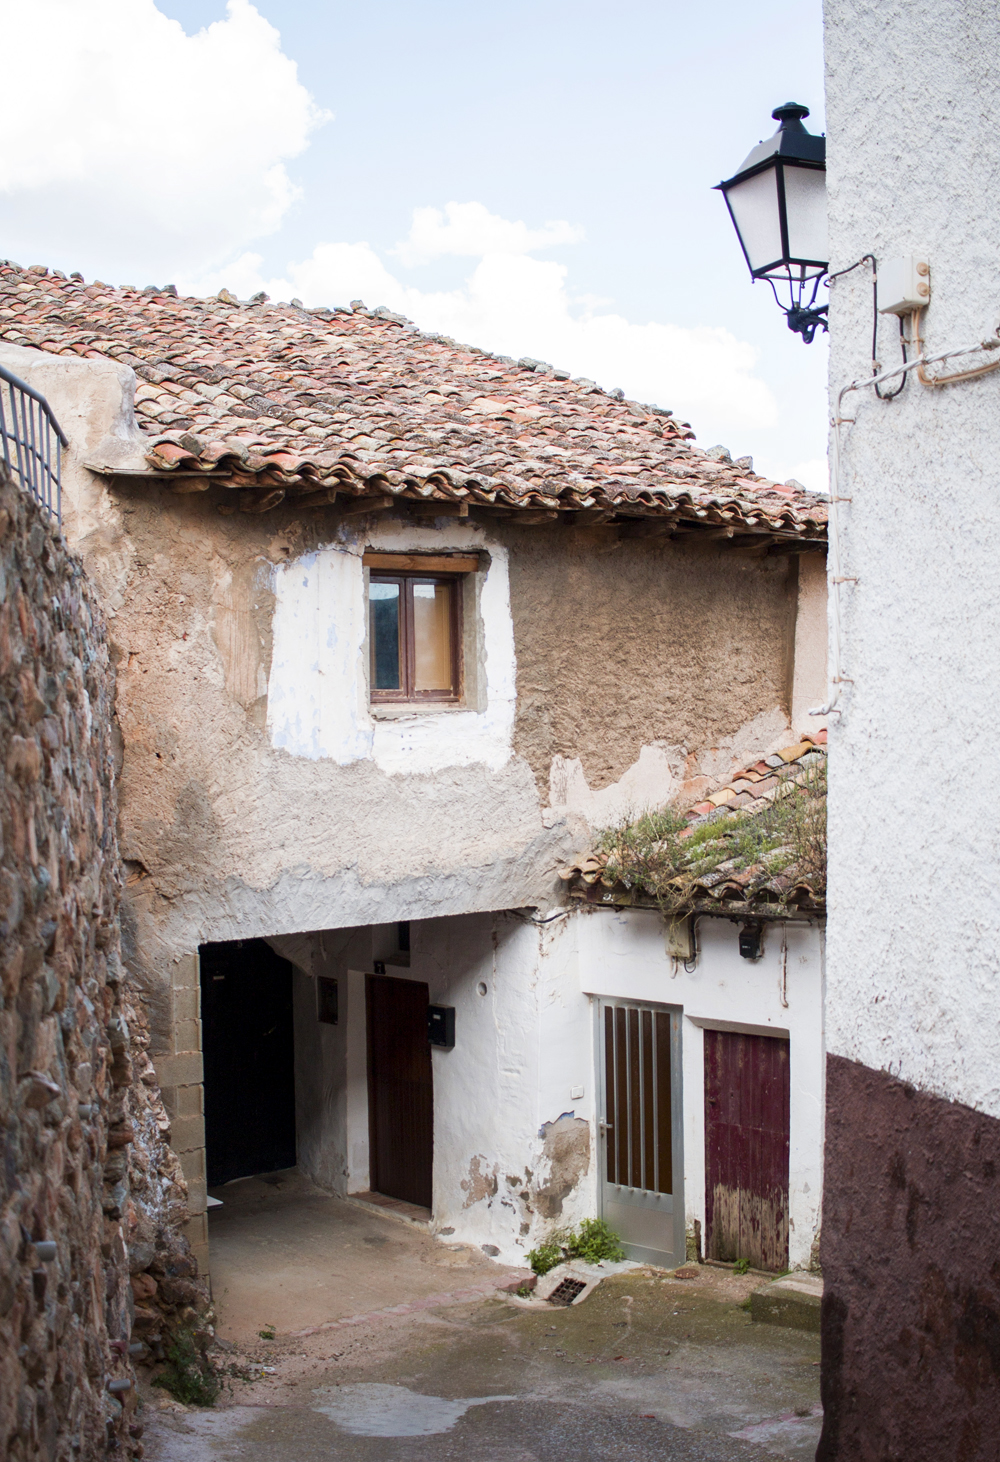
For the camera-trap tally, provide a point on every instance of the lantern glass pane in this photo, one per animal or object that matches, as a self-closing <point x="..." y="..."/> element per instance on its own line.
<point x="755" y="208"/>
<point x="805" y="207"/>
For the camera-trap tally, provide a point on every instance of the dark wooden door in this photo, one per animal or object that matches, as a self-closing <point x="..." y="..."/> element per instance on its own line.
<point x="746" y="1149"/>
<point x="400" y="1089"/>
<point x="249" y="1054"/>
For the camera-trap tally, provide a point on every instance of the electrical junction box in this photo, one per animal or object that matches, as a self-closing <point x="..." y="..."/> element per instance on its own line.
<point x="680" y="938"/>
<point x="904" y="285"/>
<point x="441" y="1026"/>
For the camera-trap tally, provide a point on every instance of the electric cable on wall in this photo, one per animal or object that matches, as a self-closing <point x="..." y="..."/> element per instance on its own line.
<point x="919" y="363"/>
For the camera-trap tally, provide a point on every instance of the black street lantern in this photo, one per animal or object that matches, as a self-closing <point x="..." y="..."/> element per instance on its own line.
<point x="777" y="202"/>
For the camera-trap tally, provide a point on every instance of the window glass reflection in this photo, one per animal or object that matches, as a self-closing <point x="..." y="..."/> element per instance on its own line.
<point x="384" y="630"/>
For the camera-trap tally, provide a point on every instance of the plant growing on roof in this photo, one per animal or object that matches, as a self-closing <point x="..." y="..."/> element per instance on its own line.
<point x="663" y="855"/>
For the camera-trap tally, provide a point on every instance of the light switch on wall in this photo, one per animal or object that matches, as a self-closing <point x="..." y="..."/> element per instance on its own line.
<point x="575" y="1093"/>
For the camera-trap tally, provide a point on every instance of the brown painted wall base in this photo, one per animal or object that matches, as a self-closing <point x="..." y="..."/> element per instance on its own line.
<point x="911" y="1266"/>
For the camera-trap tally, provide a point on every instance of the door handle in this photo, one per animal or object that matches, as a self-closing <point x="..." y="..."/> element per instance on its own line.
<point x="605" y="1127"/>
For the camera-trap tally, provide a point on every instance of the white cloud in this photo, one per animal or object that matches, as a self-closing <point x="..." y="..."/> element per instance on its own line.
<point x="470" y="229"/>
<point x="125" y="138"/>
<point x="813" y="473"/>
<point x="515" y="305"/>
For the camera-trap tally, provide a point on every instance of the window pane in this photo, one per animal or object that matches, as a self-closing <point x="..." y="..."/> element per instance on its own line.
<point x="432" y="636"/>
<point x="384" y="610"/>
<point x="805" y="204"/>
<point x="755" y="208"/>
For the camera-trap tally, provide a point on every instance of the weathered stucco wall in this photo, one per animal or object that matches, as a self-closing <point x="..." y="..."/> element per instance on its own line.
<point x="912" y="95"/>
<point x="257" y="789"/>
<point x="626" y="644"/>
<point x="259" y="795"/>
<point x="89" y="1191"/>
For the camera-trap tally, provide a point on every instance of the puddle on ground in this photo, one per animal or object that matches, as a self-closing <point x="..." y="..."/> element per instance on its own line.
<point x="374" y="1410"/>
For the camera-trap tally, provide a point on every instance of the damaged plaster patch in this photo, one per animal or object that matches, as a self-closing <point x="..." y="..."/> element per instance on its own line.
<point x="647" y="783"/>
<point x="662" y="773"/>
<point x="566" y="1149"/>
<point x="479" y="1185"/>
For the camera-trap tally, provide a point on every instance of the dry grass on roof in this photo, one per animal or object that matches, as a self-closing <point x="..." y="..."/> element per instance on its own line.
<point x="773" y="856"/>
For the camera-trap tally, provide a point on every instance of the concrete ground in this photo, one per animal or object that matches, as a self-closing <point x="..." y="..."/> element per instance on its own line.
<point x="392" y="1345"/>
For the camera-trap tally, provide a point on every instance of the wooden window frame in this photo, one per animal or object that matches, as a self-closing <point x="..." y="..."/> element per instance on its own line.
<point x="405" y="695"/>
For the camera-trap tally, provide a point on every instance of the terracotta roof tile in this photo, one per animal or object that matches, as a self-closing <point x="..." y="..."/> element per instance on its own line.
<point x="726" y="889"/>
<point x="266" y="395"/>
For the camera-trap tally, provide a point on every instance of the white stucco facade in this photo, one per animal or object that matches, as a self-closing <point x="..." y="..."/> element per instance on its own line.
<point x="913" y="91"/>
<point x="516" y="1102"/>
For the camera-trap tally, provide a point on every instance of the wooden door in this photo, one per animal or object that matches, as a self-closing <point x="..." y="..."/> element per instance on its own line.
<point x="400" y="1089"/>
<point x="249" y="1054"/>
<point x="642" y="1169"/>
<point x="746" y="1148"/>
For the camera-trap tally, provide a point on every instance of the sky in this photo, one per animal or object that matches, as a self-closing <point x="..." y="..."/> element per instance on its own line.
<point x="532" y="178"/>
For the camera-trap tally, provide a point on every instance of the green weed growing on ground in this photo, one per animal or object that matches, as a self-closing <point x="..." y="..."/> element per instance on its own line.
<point x="188" y="1376"/>
<point x="592" y="1241"/>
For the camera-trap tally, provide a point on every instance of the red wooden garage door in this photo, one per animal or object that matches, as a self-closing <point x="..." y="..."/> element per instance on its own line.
<point x="746" y="1148"/>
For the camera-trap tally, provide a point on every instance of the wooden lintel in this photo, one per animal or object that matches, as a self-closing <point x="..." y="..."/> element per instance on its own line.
<point x="428" y="563"/>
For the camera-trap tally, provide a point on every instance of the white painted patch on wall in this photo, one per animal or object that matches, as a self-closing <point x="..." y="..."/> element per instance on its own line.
<point x="313" y="705"/>
<point x="428" y="742"/>
<point x="317" y="693"/>
<point x="649" y="782"/>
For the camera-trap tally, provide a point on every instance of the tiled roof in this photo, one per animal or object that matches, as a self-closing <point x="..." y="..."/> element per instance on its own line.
<point x="714" y="882"/>
<point x="279" y="399"/>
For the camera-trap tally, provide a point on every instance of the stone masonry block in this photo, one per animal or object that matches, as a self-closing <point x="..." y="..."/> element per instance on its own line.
<point x="197" y="1193"/>
<point x="185" y="972"/>
<point x="185" y="1069"/>
<point x="187" y="1133"/>
<point x="196" y="1232"/>
<point x="193" y="1164"/>
<point x="196" y="1229"/>
<point x="189" y="1102"/>
<point x="187" y="1003"/>
<point x="187" y="1035"/>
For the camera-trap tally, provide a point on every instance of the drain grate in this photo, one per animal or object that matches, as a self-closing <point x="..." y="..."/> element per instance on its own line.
<point x="566" y="1291"/>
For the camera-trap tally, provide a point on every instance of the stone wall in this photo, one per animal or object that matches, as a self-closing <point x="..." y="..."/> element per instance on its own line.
<point x="90" y="1192"/>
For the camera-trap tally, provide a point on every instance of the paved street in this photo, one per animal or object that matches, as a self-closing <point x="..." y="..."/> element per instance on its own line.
<point x="647" y="1367"/>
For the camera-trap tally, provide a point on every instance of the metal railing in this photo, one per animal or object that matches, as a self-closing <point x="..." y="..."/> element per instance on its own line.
<point x="28" y="434"/>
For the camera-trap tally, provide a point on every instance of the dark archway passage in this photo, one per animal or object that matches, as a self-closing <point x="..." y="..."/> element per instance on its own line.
<point x="249" y="1054"/>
